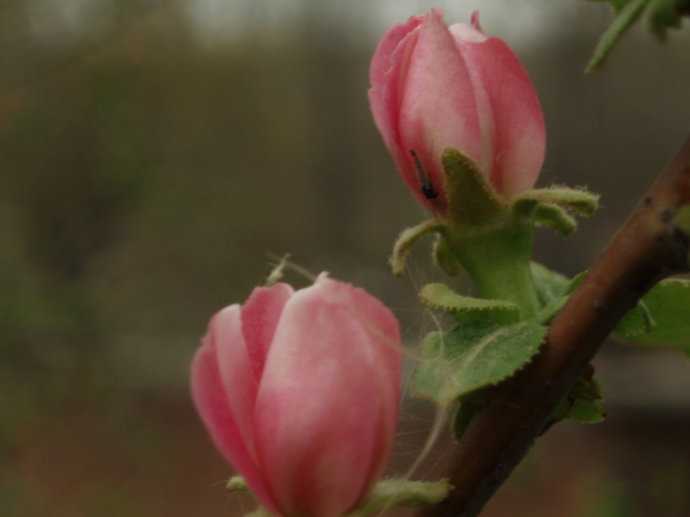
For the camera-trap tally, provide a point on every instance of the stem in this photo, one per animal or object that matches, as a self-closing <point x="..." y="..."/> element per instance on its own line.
<point x="499" y="264"/>
<point x="648" y="248"/>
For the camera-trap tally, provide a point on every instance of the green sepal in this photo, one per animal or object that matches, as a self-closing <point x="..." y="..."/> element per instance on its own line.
<point x="386" y="494"/>
<point x="476" y="354"/>
<point x="237" y="484"/>
<point x="555" y="207"/>
<point x="661" y="318"/>
<point x="444" y="258"/>
<point x="439" y="296"/>
<point x="625" y="18"/>
<point x="403" y="245"/>
<point x="577" y="200"/>
<point x="471" y="199"/>
<point x="555" y="217"/>
<point x="390" y="493"/>
<point x="259" y="512"/>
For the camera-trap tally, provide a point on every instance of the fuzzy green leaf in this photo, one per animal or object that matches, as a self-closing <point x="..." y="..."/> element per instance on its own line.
<point x="550" y="285"/>
<point x="469" y="406"/>
<point x="663" y="317"/>
<point x="476" y="354"/>
<point x="471" y="200"/>
<point x="408" y="237"/>
<point x="391" y="493"/>
<point x="553" y="290"/>
<point x="625" y="18"/>
<point x="441" y="297"/>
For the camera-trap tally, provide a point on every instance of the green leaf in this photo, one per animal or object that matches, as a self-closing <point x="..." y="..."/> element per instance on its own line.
<point x="390" y="493"/>
<point x="471" y="200"/>
<point x="441" y="297"/>
<point x="550" y="285"/>
<point x="625" y="18"/>
<point x="469" y="406"/>
<point x="553" y="289"/>
<point x="635" y="323"/>
<point x="616" y="4"/>
<point x="476" y="354"/>
<point x="666" y="14"/>
<point x="584" y="404"/>
<point x="403" y="244"/>
<point x="682" y="219"/>
<point x="662" y="318"/>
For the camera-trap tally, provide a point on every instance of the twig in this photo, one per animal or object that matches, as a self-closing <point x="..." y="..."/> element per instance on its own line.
<point x="646" y="249"/>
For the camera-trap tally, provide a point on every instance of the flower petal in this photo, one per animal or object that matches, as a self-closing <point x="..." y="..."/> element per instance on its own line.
<point x="211" y="401"/>
<point x="322" y="398"/>
<point x="260" y="314"/>
<point x="225" y="336"/>
<point x="439" y="109"/>
<point x="384" y="76"/>
<point x="387" y="75"/>
<point x="519" y="136"/>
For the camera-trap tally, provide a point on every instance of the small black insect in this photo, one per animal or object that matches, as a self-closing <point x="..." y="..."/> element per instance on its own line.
<point x="426" y="186"/>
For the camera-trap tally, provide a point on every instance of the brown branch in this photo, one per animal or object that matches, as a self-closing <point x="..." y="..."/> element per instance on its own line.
<point x="647" y="248"/>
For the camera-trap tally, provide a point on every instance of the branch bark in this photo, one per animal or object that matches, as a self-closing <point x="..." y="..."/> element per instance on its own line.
<point x="646" y="249"/>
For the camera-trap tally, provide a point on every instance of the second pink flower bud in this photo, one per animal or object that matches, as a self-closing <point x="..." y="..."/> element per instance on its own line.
<point x="299" y="391"/>
<point x="435" y="87"/>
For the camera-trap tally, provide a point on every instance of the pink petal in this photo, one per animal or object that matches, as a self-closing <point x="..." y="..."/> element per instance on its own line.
<point x="381" y="324"/>
<point x="211" y="401"/>
<point x="519" y="137"/>
<point x="225" y="336"/>
<point x="323" y="413"/>
<point x="260" y="314"/>
<point x="383" y="60"/>
<point x="439" y="109"/>
<point x="387" y="74"/>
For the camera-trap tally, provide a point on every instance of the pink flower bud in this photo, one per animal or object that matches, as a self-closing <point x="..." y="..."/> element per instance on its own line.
<point x="435" y="87"/>
<point x="300" y="391"/>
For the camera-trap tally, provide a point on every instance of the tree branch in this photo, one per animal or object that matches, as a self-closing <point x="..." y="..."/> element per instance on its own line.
<point x="646" y="249"/>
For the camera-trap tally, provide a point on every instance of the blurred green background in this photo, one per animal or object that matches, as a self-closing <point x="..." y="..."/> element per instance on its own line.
<point x="154" y="153"/>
